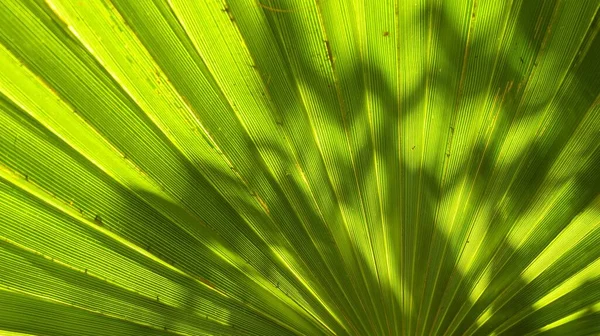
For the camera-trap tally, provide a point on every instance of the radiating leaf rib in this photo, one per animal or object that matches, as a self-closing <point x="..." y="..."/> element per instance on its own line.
<point x="242" y="171"/>
<point x="23" y="308"/>
<point x="346" y="60"/>
<point x="288" y="27"/>
<point x="148" y="239"/>
<point x="565" y="129"/>
<point x="78" y="238"/>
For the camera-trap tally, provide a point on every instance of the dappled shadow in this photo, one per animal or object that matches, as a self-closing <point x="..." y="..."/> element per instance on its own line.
<point x="585" y="296"/>
<point x="357" y="235"/>
<point x="87" y="290"/>
<point x="421" y="239"/>
<point x="224" y="270"/>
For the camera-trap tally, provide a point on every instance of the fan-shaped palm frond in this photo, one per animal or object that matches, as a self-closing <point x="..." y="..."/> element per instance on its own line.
<point x="274" y="167"/>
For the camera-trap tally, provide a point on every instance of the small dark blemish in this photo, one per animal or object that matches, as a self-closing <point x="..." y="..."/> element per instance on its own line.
<point x="227" y="10"/>
<point x="386" y="34"/>
<point x="329" y="53"/>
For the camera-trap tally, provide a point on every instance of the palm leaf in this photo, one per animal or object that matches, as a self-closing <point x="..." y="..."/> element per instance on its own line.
<point x="299" y="167"/>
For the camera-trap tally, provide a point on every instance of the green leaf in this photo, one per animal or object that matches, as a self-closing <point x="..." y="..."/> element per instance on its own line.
<point x="274" y="167"/>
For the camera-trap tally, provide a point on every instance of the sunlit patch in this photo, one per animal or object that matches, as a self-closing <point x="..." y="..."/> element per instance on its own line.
<point x="481" y="286"/>
<point x="595" y="308"/>
<point x="484" y="317"/>
<point x="568" y="238"/>
<point x="591" y="272"/>
<point x="452" y="197"/>
<point x="564" y="320"/>
<point x="452" y="223"/>
<point x="526" y="225"/>
<point x="475" y="238"/>
<point x="13" y="333"/>
<point x="66" y="123"/>
<point x="519" y="139"/>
